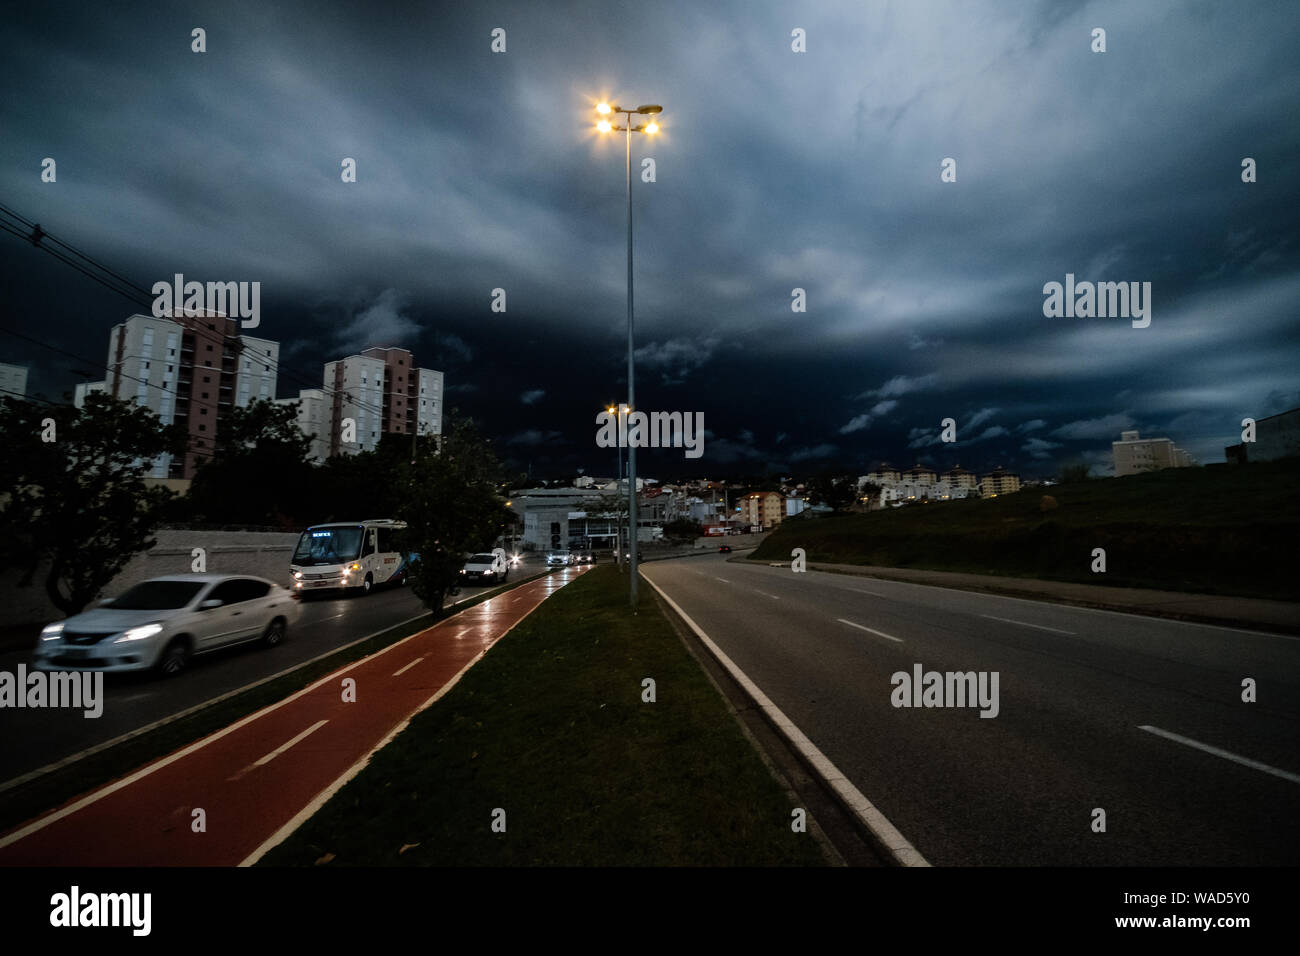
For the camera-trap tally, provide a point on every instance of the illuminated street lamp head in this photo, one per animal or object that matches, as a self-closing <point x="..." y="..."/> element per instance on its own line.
<point x="604" y="126"/>
<point x="652" y="128"/>
<point x="602" y="108"/>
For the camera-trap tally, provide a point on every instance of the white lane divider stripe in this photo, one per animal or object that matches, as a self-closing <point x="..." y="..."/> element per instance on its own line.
<point x="263" y="761"/>
<point x="871" y="630"/>
<point x="408" y="666"/>
<point x="1225" y="754"/>
<point x="1041" y="627"/>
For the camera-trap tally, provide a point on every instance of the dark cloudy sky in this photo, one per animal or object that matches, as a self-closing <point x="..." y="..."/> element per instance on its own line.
<point x="775" y="170"/>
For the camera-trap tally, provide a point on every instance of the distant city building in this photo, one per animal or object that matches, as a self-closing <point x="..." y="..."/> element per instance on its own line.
<point x="959" y="477"/>
<point x="1134" y="455"/>
<point x="190" y="370"/>
<point x="1277" y="436"/>
<point x="762" y="509"/>
<point x="999" y="482"/>
<point x="13" y="380"/>
<point x="379" y="391"/>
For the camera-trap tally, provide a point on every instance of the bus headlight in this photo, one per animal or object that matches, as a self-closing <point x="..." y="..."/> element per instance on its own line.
<point x="297" y="575"/>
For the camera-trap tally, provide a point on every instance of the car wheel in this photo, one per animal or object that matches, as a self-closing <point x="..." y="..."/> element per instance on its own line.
<point x="367" y="585"/>
<point x="506" y="575"/>
<point x="175" y="658"/>
<point x="274" y="633"/>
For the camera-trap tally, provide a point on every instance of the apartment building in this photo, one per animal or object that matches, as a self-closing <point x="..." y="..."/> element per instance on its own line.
<point x="189" y="370"/>
<point x="764" y="509"/>
<point x="999" y="482"/>
<point x="1134" y="455"/>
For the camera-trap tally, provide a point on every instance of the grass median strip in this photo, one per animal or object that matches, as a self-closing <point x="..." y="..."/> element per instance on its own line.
<point x="550" y="727"/>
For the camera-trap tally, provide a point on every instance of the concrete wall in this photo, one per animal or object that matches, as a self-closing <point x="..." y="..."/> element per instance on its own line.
<point x="265" y="554"/>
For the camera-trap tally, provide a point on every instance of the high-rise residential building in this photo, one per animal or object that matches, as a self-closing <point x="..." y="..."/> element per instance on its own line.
<point x="1134" y="455"/>
<point x="189" y="370"/>
<point x="959" y="477"/>
<point x="365" y="396"/>
<point x="313" y="409"/>
<point x="13" y="380"/>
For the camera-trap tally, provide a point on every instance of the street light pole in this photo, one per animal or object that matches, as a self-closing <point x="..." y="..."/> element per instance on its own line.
<point x="652" y="127"/>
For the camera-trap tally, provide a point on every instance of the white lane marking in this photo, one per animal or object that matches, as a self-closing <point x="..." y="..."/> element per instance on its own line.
<point x="1007" y="620"/>
<point x="865" y="591"/>
<point x="1047" y="600"/>
<point x="872" y="630"/>
<point x="774" y="597"/>
<point x="410" y="665"/>
<point x="723" y="580"/>
<point x="263" y="761"/>
<point x="894" y="842"/>
<point x="1225" y="754"/>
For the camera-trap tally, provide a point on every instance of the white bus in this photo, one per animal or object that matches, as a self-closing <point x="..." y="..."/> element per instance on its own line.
<point x="348" y="555"/>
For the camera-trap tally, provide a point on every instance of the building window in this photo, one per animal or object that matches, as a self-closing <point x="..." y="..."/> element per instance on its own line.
<point x="203" y="428"/>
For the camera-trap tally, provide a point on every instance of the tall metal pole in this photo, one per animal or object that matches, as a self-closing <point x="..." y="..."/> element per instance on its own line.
<point x="631" y="389"/>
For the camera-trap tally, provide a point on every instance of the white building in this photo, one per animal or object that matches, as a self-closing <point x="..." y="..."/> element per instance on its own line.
<point x="313" y="420"/>
<point x="83" y="389"/>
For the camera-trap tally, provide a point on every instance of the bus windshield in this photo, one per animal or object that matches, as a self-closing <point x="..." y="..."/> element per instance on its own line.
<point x="327" y="546"/>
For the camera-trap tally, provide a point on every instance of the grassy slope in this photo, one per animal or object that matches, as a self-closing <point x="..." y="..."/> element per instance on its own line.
<point x="1221" y="529"/>
<point x="550" y="726"/>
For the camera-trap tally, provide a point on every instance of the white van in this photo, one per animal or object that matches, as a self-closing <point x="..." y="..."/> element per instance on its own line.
<point x="491" y="565"/>
<point x="351" y="555"/>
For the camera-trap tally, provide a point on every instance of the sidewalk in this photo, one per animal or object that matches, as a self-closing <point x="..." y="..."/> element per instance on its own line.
<point x="1252" y="613"/>
<point x="262" y="776"/>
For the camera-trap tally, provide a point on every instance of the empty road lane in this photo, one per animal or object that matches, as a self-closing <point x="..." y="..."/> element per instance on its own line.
<point x="1139" y="718"/>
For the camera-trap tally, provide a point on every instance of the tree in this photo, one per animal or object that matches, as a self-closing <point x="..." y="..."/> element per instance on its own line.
<point x="259" y="470"/>
<point x="77" y="498"/>
<point x="452" y="507"/>
<point x="836" y="491"/>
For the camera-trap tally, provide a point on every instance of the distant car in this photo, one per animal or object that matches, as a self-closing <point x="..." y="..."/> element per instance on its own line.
<point x="559" y="557"/>
<point x="588" y="557"/>
<point x="162" y="623"/>
<point x="487" y="566"/>
<point x="726" y="548"/>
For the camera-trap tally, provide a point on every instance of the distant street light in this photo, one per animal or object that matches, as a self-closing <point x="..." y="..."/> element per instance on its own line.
<point x="604" y="125"/>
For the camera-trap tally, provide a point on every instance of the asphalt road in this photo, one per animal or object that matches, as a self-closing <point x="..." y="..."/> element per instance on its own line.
<point x="30" y="739"/>
<point x="1076" y="687"/>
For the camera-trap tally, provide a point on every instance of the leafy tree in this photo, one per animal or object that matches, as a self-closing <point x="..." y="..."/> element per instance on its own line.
<point x="837" y="491"/>
<point x="77" y="499"/>
<point x="452" y="507"/>
<point x="259" y="469"/>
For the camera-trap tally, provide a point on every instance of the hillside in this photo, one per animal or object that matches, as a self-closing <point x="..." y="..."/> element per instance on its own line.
<point x="1219" y="529"/>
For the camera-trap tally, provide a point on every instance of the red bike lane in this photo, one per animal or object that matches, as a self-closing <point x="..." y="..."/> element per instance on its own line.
<point x="262" y="776"/>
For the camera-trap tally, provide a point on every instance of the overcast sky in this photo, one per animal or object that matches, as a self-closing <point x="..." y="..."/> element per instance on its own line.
<point x="775" y="169"/>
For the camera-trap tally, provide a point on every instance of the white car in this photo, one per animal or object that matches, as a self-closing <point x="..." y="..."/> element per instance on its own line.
<point x="559" y="557"/>
<point x="163" y="622"/>
<point x="489" y="566"/>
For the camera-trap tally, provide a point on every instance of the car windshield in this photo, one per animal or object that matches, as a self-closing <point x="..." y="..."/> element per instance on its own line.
<point x="327" y="546"/>
<point x="482" y="559"/>
<point x="157" y="596"/>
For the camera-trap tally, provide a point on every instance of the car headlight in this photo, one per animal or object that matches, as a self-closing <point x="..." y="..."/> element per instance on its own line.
<point x="139" y="633"/>
<point x="52" y="632"/>
<point x="297" y="575"/>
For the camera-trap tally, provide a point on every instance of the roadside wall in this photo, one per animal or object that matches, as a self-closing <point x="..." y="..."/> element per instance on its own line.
<point x="265" y="554"/>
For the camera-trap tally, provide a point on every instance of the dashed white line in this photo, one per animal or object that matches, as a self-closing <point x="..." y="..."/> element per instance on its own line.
<point x="1007" y="620"/>
<point x="723" y="580"/>
<point x="872" y="630"/>
<point x="1225" y="754"/>
<point x="408" y="666"/>
<point x="774" y="597"/>
<point x="263" y="761"/>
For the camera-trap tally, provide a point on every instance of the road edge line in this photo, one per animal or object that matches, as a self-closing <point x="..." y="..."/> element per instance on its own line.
<point x="897" y="846"/>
